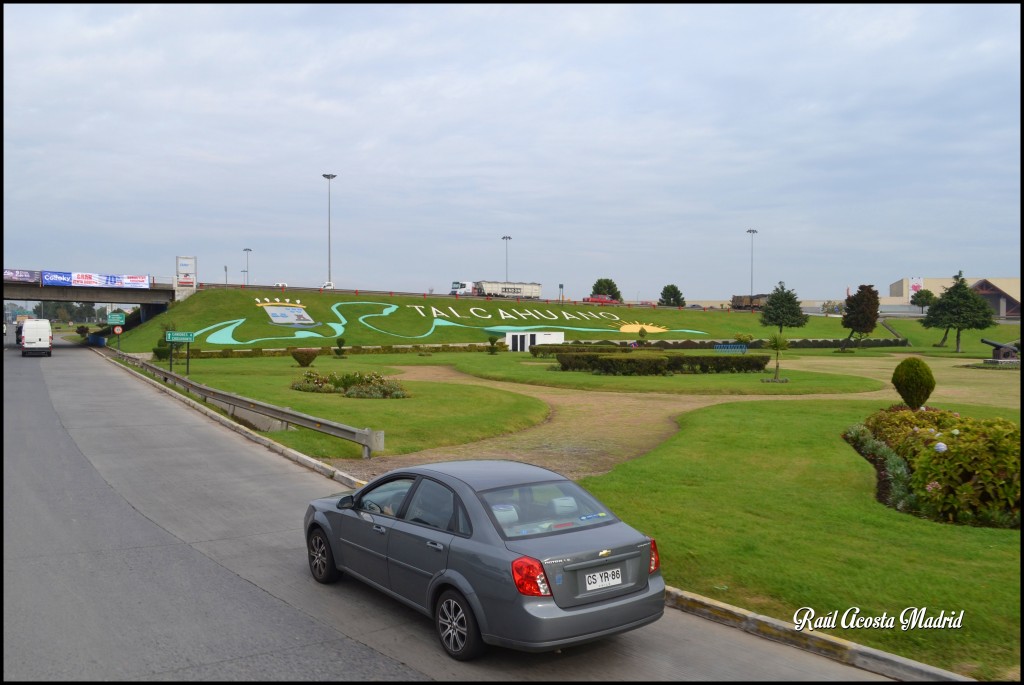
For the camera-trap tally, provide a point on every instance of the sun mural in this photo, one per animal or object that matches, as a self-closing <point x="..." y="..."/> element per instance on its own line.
<point x="635" y="326"/>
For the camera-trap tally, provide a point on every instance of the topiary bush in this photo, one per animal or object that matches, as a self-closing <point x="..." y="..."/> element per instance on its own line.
<point x="304" y="356"/>
<point x="914" y="381"/>
<point x="162" y="351"/>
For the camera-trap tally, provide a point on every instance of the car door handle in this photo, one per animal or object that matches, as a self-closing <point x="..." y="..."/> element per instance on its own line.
<point x="435" y="545"/>
<point x="379" y="529"/>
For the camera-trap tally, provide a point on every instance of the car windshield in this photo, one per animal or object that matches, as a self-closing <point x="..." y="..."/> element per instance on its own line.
<point x="543" y="508"/>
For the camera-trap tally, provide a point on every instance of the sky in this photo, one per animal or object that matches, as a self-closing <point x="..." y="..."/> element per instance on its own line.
<point x="863" y="143"/>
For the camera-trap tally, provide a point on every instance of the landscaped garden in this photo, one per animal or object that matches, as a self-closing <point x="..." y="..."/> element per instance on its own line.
<point x="752" y="491"/>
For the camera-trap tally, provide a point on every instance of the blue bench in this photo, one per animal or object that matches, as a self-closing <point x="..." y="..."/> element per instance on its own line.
<point x="735" y="349"/>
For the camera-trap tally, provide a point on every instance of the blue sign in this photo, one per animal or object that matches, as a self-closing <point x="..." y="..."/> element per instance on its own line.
<point x="57" y="278"/>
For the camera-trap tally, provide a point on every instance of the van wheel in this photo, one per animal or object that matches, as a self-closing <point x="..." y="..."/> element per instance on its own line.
<point x="321" y="559"/>
<point x="456" y="627"/>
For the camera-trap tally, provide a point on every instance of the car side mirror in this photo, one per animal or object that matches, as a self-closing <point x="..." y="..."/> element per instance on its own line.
<point x="346" y="502"/>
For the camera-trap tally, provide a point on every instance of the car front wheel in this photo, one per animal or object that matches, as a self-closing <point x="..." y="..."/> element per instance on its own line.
<point x="321" y="559"/>
<point x="456" y="627"/>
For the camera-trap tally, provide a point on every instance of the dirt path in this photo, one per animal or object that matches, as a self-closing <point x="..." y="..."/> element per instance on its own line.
<point x="587" y="433"/>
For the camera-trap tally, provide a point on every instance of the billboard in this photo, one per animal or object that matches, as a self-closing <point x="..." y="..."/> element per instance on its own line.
<point x="916" y="284"/>
<point x="185" y="272"/>
<point x="23" y="275"/>
<point x="93" y="280"/>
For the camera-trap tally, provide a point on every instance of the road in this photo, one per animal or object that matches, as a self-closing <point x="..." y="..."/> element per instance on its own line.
<point x="143" y="541"/>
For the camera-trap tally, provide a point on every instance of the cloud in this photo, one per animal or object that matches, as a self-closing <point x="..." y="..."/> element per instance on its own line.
<point x="631" y="142"/>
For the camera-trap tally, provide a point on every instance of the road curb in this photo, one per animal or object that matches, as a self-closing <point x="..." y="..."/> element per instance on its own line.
<point x="837" y="649"/>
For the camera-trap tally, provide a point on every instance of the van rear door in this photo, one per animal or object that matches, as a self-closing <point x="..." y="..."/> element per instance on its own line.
<point x="36" y="338"/>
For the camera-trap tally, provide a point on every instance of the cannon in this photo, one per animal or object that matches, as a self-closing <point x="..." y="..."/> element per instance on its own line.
<point x="1002" y="351"/>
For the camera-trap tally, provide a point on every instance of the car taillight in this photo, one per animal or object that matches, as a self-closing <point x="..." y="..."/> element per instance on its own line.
<point x="528" y="574"/>
<point x="655" y="558"/>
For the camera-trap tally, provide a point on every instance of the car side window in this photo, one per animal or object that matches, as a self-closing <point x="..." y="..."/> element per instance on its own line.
<point x="434" y="505"/>
<point x="385" y="498"/>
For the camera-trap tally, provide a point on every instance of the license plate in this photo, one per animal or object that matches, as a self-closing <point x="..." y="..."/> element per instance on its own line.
<point x="601" y="579"/>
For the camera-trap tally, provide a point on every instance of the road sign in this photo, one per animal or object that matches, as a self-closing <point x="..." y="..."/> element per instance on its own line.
<point x="118" y="330"/>
<point x="115" y="317"/>
<point x="179" y="337"/>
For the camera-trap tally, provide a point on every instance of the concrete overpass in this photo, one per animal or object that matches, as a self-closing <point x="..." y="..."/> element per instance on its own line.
<point x="156" y="294"/>
<point x="152" y="300"/>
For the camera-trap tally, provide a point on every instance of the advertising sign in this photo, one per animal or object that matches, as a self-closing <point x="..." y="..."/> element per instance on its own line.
<point x="62" y="278"/>
<point x="916" y="284"/>
<point x="185" y="274"/>
<point x="93" y="280"/>
<point x="24" y="275"/>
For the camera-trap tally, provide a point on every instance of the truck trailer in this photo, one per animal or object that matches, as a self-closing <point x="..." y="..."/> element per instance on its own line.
<point x="749" y="302"/>
<point x="530" y="291"/>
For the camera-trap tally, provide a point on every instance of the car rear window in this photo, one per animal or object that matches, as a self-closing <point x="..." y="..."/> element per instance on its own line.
<point x="543" y="508"/>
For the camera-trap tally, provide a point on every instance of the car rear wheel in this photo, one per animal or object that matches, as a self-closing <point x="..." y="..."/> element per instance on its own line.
<point x="456" y="627"/>
<point x="321" y="559"/>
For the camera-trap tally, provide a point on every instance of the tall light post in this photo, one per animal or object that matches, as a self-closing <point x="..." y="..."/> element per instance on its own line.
<point x="225" y="274"/>
<point x="752" y="233"/>
<point x="329" y="177"/>
<point x="247" y="251"/>
<point x="506" y="238"/>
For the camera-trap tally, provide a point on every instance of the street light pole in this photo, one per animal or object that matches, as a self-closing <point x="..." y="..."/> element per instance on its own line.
<point x="506" y="238"/>
<point x="247" y="251"/>
<point x="225" y="274"/>
<point x="752" y="233"/>
<point x="329" y="177"/>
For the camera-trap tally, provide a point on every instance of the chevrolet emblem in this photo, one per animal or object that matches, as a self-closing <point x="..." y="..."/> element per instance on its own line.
<point x="604" y="553"/>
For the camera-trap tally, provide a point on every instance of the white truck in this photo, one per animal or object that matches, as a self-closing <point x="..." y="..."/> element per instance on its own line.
<point x="529" y="291"/>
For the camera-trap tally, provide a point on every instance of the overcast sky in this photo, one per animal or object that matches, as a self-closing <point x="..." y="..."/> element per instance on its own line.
<point x="863" y="143"/>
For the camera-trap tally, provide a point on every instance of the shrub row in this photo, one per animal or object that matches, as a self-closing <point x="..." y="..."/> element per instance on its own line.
<point x="647" y="364"/>
<point x="806" y="343"/>
<point x="163" y="352"/>
<point x="946" y="467"/>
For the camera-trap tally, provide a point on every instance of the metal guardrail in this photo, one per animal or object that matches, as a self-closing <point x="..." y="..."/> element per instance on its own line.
<point x="371" y="440"/>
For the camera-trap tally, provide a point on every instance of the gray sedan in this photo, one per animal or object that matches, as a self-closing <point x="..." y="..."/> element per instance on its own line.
<point x="497" y="552"/>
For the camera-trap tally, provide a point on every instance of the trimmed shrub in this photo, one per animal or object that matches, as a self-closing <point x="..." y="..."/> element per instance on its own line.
<point x="946" y="467"/>
<point x="304" y="356"/>
<point x="914" y="381"/>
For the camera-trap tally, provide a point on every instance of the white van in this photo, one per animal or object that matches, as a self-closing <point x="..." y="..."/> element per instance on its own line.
<point x="36" y="337"/>
<point x="327" y="286"/>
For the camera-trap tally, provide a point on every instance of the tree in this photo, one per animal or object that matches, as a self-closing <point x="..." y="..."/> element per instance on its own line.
<point x="832" y="307"/>
<point x="782" y="308"/>
<point x="923" y="298"/>
<point x="861" y="315"/>
<point x="959" y="308"/>
<point x="606" y="286"/>
<point x="671" y="296"/>
<point x="777" y="343"/>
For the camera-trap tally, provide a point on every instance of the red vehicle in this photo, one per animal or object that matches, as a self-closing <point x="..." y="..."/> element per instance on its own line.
<point x="601" y="299"/>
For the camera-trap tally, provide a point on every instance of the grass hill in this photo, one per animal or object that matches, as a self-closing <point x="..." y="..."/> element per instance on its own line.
<point x="274" y="319"/>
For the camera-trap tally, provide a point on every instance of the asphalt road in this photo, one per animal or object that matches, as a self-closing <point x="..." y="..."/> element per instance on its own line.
<point x="144" y="541"/>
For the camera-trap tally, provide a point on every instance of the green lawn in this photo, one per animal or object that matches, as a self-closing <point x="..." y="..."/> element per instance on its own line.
<point x="762" y="505"/>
